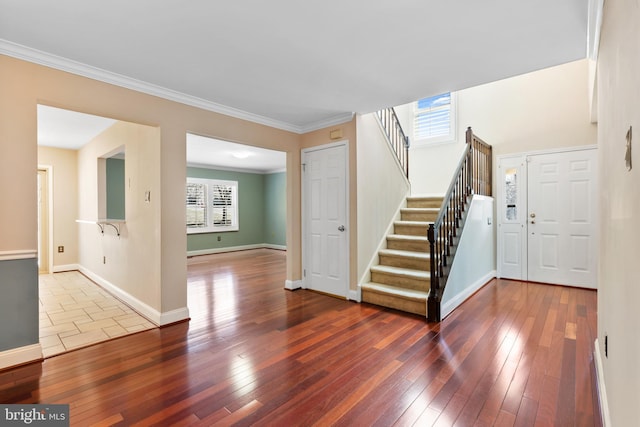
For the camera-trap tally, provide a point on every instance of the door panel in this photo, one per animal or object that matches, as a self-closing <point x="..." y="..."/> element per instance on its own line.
<point x="325" y="213"/>
<point x="562" y="224"/>
<point x="512" y="210"/>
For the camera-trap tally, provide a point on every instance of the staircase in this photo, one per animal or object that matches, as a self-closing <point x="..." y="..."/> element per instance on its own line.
<point x="401" y="280"/>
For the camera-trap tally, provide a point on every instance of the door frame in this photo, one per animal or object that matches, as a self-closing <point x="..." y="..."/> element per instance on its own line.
<point x="304" y="213"/>
<point x="525" y="190"/>
<point x="48" y="169"/>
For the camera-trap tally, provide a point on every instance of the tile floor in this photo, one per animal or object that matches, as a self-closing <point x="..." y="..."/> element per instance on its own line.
<point x="75" y="312"/>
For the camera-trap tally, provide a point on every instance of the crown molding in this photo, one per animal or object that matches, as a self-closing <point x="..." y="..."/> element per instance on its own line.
<point x="331" y="121"/>
<point x="36" y="56"/>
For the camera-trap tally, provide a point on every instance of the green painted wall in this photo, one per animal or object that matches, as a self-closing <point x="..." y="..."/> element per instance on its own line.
<point x="115" y="189"/>
<point x="275" y="212"/>
<point x="253" y="206"/>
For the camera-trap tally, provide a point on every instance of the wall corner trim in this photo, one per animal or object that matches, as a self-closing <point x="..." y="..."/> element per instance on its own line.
<point x="173" y="316"/>
<point x="355" y="295"/>
<point x="292" y="284"/>
<point x="602" y="390"/>
<point x="20" y="355"/>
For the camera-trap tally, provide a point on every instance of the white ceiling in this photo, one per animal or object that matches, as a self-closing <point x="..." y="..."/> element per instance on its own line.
<point x="209" y="152"/>
<point x="71" y="130"/>
<point x="68" y="129"/>
<point x="296" y="65"/>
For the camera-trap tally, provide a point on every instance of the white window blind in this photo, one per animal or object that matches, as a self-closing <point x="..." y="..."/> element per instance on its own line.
<point x="434" y="119"/>
<point x="196" y="205"/>
<point x="212" y="205"/>
<point x="222" y="204"/>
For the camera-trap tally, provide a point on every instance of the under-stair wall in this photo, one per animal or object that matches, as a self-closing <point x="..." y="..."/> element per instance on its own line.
<point x="382" y="189"/>
<point x="475" y="261"/>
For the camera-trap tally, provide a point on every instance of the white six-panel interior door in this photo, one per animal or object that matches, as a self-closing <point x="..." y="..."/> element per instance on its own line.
<point x="325" y="225"/>
<point x="547" y="210"/>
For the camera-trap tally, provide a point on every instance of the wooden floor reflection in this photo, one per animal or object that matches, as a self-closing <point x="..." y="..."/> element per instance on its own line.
<point x="255" y="354"/>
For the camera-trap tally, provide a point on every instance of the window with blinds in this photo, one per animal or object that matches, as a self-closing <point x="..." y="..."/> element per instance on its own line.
<point x="222" y="204"/>
<point x="196" y="205"/>
<point x="434" y="119"/>
<point x="212" y="205"/>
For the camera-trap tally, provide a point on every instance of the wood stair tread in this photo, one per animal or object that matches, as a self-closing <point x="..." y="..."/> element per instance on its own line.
<point x="406" y="272"/>
<point x="395" y="291"/>
<point x="414" y="223"/>
<point x="420" y="210"/>
<point x="408" y="254"/>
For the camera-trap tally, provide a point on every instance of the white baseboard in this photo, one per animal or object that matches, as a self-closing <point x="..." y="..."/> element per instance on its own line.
<point x="142" y="308"/>
<point x="276" y="247"/>
<point x="234" y="249"/>
<point x="602" y="390"/>
<point x="355" y="295"/>
<point x="292" y="284"/>
<point x="20" y="355"/>
<point x="67" y="267"/>
<point x="174" y="316"/>
<point x="454" y="302"/>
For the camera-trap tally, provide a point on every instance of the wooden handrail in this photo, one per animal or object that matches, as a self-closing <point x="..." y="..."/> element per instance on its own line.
<point x="396" y="137"/>
<point x="472" y="176"/>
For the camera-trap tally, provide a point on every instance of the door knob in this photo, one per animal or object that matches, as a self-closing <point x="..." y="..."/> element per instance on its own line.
<point x="532" y="215"/>
<point x="341" y="228"/>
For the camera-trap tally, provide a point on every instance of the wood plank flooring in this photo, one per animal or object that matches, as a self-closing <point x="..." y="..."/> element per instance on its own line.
<point x="515" y="354"/>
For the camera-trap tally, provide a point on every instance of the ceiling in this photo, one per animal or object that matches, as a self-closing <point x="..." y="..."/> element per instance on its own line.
<point x="71" y="130"/>
<point x="296" y="65"/>
<point x="68" y="129"/>
<point x="207" y="152"/>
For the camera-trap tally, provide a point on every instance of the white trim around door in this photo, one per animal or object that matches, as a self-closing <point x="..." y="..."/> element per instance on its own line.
<point x="325" y="218"/>
<point x="547" y="216"/>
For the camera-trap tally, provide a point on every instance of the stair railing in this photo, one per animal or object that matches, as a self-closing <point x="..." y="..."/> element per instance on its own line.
<point x="473" y="176"/>
<point x="396" y="137"/>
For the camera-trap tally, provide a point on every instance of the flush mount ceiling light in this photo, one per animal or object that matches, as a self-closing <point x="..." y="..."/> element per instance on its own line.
<point x="241" y="154"/>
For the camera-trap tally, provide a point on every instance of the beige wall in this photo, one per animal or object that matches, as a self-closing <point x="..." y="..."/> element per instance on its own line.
<point x="383" y="189"/>
<point x="133" y="258"/>
<point x="322" y="137"/>
<point x="64" y="176"/>
<point x="24" y="85"/>
<point x="619" y="275"/>
<point x="546" y="109"/>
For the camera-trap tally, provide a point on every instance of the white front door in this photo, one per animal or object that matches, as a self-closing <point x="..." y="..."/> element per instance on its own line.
<point x="325" y="227"/>
<point x="562" y="218"/>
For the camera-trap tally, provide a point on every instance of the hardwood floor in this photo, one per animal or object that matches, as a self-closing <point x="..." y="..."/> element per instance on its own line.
<point x="255" y="354"/>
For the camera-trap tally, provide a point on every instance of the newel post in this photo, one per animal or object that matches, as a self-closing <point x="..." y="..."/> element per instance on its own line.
<point x="433" y="302"/>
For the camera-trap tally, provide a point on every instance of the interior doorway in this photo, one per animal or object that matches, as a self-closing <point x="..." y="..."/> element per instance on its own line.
<point x="547" y="217"/>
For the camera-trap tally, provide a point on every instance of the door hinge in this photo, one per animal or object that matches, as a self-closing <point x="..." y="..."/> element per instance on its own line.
<point x="304" y="167"/>
<point x="304" y="273"/>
